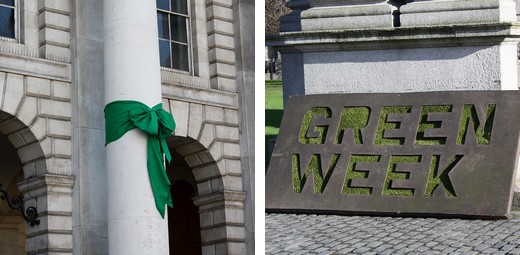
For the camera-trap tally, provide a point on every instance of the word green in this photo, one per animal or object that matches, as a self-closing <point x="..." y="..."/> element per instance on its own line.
<point x="427" y="126"/>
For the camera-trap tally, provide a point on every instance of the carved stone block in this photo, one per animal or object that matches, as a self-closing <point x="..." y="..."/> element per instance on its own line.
<point x="430" y="154"/>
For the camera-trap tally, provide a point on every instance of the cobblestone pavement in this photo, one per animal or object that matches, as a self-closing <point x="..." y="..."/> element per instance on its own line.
<point x="332" y="234"/>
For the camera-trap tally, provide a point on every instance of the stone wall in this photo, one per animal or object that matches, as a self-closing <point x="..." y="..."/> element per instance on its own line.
<point x="51" y="109"/>
<point x="209" y="121"/>
<point x="35" y="115"/>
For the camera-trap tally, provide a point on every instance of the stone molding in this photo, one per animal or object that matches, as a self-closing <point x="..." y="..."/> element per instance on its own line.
<point x="376" y="15"/>
<point x="174" y="77"/>
<point x="323" y="15"/>
<point x="402" y="37"/>
<point x="200" y="96"/>
<point x="428" y="13"/>
<point x="19" y="64"/>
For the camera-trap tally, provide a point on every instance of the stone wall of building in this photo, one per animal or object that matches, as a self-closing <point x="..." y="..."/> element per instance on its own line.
<point x="51" y="109"/>
<point x="35" y="115"/>
<point x="35" y="106"/>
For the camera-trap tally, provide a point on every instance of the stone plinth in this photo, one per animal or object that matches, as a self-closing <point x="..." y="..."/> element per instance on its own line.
<point x="436" y="58"/>
<point x="329" y="15"/>
<point x="427" y="13"/>
<point x="324" y="15"/>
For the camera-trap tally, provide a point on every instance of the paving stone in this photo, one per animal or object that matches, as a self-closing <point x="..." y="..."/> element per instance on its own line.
<point x="481" y="247"/>
<point x="515" y="251"/>
<point x="331" y="234"/>
<point x="507" y="247"/>
<point x="362" y="250"/>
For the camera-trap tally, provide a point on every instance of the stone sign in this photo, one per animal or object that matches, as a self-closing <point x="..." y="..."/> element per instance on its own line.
<point x="431" y="153"/>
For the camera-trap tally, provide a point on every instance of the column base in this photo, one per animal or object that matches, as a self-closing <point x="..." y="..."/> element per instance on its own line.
<point x="376" y="14"/>
<point x="430" y="13"/>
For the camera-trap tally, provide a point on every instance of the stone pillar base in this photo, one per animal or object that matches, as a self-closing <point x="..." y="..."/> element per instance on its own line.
<point x="372" y="14"/>
<point x="430" y="13"/>
<point x="222" y="222"/>
<point x="52" y="196"/>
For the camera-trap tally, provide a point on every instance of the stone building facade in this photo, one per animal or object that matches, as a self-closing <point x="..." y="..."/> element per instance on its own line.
<point x="52" y="126"/>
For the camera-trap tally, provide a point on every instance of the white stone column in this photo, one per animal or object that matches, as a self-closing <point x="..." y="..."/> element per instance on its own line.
<point x="132" y="72"/>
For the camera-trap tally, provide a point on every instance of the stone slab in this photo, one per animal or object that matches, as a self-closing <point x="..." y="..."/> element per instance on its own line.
<point x="429" y="13"/>
<point x="347" y="17"/>
<point x="411" y="154"/>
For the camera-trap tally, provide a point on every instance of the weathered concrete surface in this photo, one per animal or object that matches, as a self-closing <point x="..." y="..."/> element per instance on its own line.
<point x="331" y="234"/>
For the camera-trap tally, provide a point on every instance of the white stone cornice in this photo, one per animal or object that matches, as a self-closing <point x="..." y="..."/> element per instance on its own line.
<point x="203" y="96"/>
<point x="37" y="67"/>
<point x="401" y="37"/>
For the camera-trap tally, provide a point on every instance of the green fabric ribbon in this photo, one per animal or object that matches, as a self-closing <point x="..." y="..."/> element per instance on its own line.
<point x="123" y="116"/>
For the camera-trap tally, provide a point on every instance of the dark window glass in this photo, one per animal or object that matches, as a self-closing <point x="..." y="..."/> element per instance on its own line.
<point x="162" y="23"/>
<point x="7" y="2"/>
<point x="164" y="54"/>
<point x="173" y="34"/>
<point x="163" y="4"/>
<point x="180" y="57"/>
<point x="7" y="22"/>
<point x="178" y="28"/>
<point x="180" y="6"/>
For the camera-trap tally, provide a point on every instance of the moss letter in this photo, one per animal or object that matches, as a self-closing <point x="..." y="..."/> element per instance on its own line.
<point x="353" y="118"/>
<point x="318" y="135"/>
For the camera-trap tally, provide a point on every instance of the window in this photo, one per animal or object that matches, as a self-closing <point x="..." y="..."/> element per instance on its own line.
<point x="7" y="17"/>
<point x="172" y="21"/>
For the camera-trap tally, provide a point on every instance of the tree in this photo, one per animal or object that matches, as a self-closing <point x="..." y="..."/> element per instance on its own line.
<point x="274" y="9"/>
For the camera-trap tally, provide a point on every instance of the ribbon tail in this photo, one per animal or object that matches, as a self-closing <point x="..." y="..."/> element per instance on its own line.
<point x="157" y="173"/>
<point x="165" y="150"/>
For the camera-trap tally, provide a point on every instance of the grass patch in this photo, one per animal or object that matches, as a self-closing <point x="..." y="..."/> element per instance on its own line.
<point x="383" y="124"/>
<point x="392" y="175"/>
<point x="425" y="124"/>
<point x="273" y="112"/>
<point x="436" y="176"/>
<point x="353" y="173"/>
<point x="470" y="118"/>
<point x="355" y="118"/>
<point x="315" y="168"/>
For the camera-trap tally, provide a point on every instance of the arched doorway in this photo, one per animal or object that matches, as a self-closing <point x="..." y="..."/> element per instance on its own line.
<point x="12" y="224"/>
<point x="218" y="196"/>
<point x="183" y="219"/>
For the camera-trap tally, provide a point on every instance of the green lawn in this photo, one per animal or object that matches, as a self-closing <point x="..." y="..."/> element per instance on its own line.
<point x="273" y="111"/>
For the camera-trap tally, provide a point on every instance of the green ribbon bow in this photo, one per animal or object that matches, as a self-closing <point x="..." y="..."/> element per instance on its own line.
<point x="123" y="116"/>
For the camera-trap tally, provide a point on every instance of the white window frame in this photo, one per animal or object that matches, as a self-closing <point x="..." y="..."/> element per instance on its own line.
<point x="188" y="37"/>
<point x="16" y="8"/>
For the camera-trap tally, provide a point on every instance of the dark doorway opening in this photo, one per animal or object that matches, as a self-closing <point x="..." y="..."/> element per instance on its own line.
<point x="183" y="219"/>
<point x="184" y="226"/>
